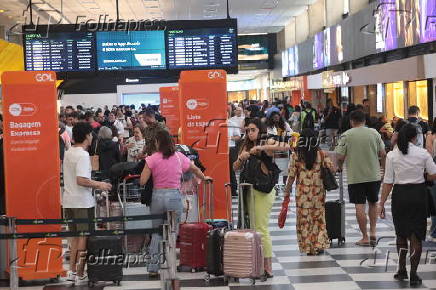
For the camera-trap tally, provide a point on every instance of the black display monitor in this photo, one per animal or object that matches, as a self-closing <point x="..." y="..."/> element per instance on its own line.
<point x="202" y="48"/>
<point x="141" y="51"/>
<point x="61" y="52"/>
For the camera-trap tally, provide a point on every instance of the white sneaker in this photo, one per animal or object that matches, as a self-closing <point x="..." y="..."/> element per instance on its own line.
<point x="71" y="276"/>
<point x="81" y="280"/>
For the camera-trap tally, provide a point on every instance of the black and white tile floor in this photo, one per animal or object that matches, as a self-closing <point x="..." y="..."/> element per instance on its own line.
<point x="346" y="267"/>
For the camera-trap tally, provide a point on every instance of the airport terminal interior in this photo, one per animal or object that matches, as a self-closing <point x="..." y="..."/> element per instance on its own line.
<point x="217" y="144"/>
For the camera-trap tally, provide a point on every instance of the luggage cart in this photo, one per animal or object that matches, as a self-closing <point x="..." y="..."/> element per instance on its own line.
<point x="129" y="198"/>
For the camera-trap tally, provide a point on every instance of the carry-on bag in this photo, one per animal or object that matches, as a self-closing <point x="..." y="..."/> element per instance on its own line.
<point x="192" y="242"/>
<point x="215" y="240"/>
<point x="243" y="251"/>
<point x="103" y="259"/>
<point x="335" y="215"/>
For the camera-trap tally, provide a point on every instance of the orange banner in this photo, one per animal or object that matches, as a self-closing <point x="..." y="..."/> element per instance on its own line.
<point x="169" y="107"/>
<point x="203" y="116"/>
<point x="32" y="167"/>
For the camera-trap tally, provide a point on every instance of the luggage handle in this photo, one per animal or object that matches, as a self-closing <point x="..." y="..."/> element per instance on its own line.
<point x="208" y="200"/>
<point x="227" y="189"/>
<point x="242" y="204"/>
<point x="130" y="176"/>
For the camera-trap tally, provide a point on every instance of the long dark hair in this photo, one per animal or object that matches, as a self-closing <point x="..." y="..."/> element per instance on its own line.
<point x="433" y="127"/>
<point x="406" y="134"/>
<point x="307" y="149"/>
<point x="271" y="123"/>
<point x="248" y="144"/>
<point x="166" y="143"/>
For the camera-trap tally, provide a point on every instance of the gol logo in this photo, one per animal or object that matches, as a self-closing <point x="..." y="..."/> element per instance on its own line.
<point x="44" y="78"/>
<point x="200" y="104"/>
<point x="23" y="109"/>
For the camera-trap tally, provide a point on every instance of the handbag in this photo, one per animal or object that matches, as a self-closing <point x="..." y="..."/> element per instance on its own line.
<point x="283" y="212"/>
<point x="95" y="160"/>
<point x="328" y="178"/>
<point x="147" y="191"/>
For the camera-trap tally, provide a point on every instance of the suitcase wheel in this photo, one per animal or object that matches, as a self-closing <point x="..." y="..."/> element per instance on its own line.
<point x="226" y="279"/>
<point x="263" y="278"/>
<point x="117" y="283"/>
<point x="90" y="284"/>
<point x="341" y="241"/>
<point x="207" y="278"/>
<point x="253" y="281"/>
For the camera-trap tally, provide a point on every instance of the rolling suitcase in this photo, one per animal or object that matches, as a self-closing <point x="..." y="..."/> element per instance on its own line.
<point x="215" y="241"/>
<point x="192" y="242"/>
<point x="243" y="251"/>
<point x="335" y="215"/>
<point x="103" y="259"/>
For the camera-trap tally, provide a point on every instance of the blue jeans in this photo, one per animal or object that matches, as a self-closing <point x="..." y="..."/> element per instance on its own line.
<point x="163" y="200"/>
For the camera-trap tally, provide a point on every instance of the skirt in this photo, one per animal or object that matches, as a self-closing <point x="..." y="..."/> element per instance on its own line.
<point x="409" y="210"/>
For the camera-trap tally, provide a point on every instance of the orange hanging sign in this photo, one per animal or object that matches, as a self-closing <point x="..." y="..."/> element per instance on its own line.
<point x="32" y="167"/>
<point x="203" y="116"/>
<point x="169" y="106"/>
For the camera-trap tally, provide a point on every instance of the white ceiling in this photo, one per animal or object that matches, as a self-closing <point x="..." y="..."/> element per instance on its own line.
<point x="254" y="16"/>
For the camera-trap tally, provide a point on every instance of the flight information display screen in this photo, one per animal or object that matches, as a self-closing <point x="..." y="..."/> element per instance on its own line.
<point x="133" y="50"/>
<point x="60" y="52"/>
<point x="206" y="47"/>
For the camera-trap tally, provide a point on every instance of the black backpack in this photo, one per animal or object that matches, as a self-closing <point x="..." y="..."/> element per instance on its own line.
<point x="254" y="174"/>
<point x="309" y="121"/>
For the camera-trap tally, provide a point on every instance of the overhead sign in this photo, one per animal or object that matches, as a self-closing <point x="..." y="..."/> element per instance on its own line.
<point x="331" y="79"/>
<point x="170" y="108"/>
<point x="203" y="117"/>
<point x="32" y="167"/>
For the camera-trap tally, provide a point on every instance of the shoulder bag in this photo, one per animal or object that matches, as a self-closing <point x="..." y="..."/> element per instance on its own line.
<point x="328" y="178"/>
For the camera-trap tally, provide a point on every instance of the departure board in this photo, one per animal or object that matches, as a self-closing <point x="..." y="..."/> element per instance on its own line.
<point x="60" y="52"/>
<point x="206" y="47"/>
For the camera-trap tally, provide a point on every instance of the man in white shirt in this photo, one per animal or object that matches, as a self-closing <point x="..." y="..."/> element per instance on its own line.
<point x="238" y="119"/>
<point x="234" y="136"/>
<point x="77" y="199"/>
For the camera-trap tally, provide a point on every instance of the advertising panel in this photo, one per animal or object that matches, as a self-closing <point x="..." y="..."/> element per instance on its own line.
<point x="203" y="105"/>
<point x="32" y="167"/>
<point x="318" y="51"/>
<point x="170" y="108"/>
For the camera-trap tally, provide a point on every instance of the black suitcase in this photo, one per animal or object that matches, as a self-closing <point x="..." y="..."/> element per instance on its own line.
<point x="335" y="220"/>
<point x="214" y="253"/>
<point x="335" y="215"/>
<point x="105" y="259"/>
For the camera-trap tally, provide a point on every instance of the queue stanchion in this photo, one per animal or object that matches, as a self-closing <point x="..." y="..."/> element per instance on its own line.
<point x="13" y="269"/>
<point x="164" y="263"/>
<point x="172" y="237"/>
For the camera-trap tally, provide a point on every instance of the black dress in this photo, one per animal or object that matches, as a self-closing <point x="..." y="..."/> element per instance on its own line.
<point x="409" y="210"/>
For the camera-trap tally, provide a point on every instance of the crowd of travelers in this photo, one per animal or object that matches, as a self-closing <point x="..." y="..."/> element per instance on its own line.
<point x="106" y="136"/>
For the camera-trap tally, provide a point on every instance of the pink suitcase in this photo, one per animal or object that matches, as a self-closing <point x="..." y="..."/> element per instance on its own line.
<point x="243" y="255"/>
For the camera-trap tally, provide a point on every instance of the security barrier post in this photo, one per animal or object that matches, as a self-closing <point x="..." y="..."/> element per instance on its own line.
<point x="13" y="271"/>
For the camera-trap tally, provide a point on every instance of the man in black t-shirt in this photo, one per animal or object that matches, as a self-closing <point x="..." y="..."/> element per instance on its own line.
<point x="332" y="117"/>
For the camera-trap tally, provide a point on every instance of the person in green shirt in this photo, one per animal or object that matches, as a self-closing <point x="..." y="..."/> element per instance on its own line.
<point x="362" y="148"/>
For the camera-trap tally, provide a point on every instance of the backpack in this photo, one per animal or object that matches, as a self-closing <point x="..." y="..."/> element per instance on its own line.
<point x="309" y="120"/>
<point x="420" y="142"/>
<point x="254" y="173"/>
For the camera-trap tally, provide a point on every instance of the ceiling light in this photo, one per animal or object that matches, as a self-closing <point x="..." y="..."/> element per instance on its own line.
<point x="2" y="11"/>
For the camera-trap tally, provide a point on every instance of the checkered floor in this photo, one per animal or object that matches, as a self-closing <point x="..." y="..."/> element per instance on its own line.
<point x="345" y="267"/>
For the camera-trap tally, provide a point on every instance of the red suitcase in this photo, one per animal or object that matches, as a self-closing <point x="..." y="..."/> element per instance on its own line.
<point x="192" y="242"/>
<point x="193" y="237"/>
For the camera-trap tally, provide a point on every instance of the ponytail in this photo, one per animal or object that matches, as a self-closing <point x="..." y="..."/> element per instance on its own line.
<point x="406" y="135"/>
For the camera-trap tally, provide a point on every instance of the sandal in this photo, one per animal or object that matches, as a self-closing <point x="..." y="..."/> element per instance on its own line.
<point x="362" y="244"/>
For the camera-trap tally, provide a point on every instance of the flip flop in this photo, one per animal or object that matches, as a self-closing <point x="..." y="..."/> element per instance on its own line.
<point x="362" y="244"/>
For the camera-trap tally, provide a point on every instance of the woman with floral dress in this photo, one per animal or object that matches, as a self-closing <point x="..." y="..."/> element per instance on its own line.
<point x="305" y="169"/>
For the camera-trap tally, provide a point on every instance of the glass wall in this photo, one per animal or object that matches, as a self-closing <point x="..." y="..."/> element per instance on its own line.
<point x="418" y="96"/>
<point x="395" y="100"/>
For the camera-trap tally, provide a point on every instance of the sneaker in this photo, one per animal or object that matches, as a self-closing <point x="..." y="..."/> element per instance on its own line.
<point x="80" y="280"/>
<point x="71" y="276"/>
